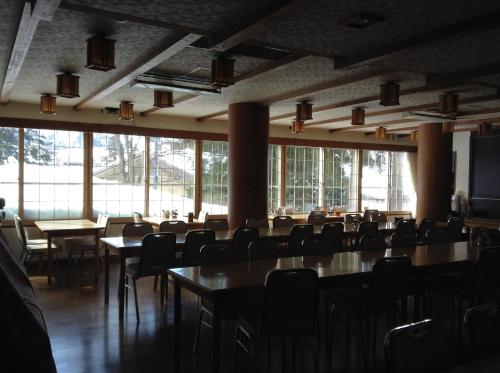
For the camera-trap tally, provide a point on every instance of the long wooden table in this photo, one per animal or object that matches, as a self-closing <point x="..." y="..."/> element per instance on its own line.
<point x="131" y="246"/>
<point x="218" y="283"/>
<point x="67" y="228"/>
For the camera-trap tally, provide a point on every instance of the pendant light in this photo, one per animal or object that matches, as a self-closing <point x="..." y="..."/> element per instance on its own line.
<point x="448" y="103"/>
<point x="48" y="104"/>
<point x="68" y="85"/>
<point x="448" y="127"/>
<point x="358" y="117"/>
<point x="485" y="129"/>
<point x="297" y="126"/>
<point x="100" y="53"/>
<point x="126" y="111"/>
<point x="222" y="72"/>
<point x="303" y="111"/>
<point x="389" y="94"/>
<point x="163" y="99"/>
<point x="381" y="133"/>
<point x="414" y="136"/>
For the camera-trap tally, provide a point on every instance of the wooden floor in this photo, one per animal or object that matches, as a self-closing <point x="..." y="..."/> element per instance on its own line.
<point x="87" y="336"/>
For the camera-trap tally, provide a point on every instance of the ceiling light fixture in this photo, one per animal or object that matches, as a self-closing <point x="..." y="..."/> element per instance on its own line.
<point x="303" y="111"/>
<point x="68" y="85"/>
<point x="414" y="136"/>
<point x="389" y="94"/>
<point x="297" y="126"/>
<point x="126" y="111"/>
<point x="448" y="103"/>
<point x="100" y="53"/>
<point x="163" y="99"/>
<point x="358" y="117"/>
<point x="448" y="127"/>
<point x="222" y="72"/>
<point x="485" y="129"/>
<point x="381" y="133"/>
<point x="48" y="104"/>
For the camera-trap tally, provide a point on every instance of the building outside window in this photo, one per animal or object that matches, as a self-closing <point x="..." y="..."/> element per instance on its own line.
<point x="340" y="179"/>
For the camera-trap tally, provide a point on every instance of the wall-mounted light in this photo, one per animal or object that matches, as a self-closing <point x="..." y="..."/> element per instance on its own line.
<point x="68" y="85"/>
<point x="48" y="104"/>
<point x="389" y="94"/>
<point x="126" y="111"/>
<point x="303" y="111"/>
<point x="358" y="117"/>
<point x="222" y="72"/>
<point x="163" y="99"/>
<point x="100" y="53"/>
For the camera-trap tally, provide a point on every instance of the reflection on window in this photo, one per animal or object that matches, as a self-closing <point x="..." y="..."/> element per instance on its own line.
<point x="214" y="177"/>
<point x="340" y="179"/>
<point x="9" y="170"/>
<point x="304" y="169"/>
<point x="273" y="177"/>
<point x="118" y="174"/>
<point x="53" y="174"/>
<point x="171" y="175"/>
<point x="402" y="193"/>
<point x="374" y="188"/>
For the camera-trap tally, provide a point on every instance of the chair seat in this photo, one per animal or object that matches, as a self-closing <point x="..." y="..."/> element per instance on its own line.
<point x="72" y="244"/>
<point x="40" y="241"/>
<point x="41" y="248"/>
<point x="132" y="269"/>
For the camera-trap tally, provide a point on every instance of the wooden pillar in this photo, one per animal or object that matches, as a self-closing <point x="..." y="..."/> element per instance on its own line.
<point x="248" y="146"/>
<point x="433" y="172"/>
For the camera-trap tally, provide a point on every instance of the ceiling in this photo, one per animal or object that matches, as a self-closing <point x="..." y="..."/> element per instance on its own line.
<point x="285" y="52"/>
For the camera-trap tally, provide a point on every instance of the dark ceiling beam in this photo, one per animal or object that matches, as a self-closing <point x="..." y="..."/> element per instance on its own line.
<point x="169" y="47"/>
<point x="446" y="33"/>
<point x="430" y="105"/>
<point x="33" y="13"/>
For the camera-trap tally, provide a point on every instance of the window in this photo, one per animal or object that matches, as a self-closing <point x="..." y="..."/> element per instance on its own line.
<point x="118" y="174"/>
<point x="53" y="174"/>
<point x="375" y="181"/>
<point x="304" y="172"/>
<point x="214" y="177"/>
<point x="171" y="175"/>
<point x="273" y="177"/>
<point x="340" y="179"/>
<point x="9" y="170"/>
<point x="402" y="195"/>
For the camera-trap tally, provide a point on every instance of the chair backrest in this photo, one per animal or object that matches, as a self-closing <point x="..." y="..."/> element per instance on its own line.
<point x="298" y="234"/>
<point x="406" y="226"/>
<point x="216" y="224"/>
<point x="482" y="327"/>
<point x="389" y="281"/>
<point x="216" y="253"/>
<point x="104" y="222"/>
<point x="454" y="229"/>
<point x="136" y="229"/>
<point x="21" y="235"/>
<point x="195" y="240"/>
<point x="332" y="236"/>
<point x="242" y="237"/>
<point x="368" y="228"/>
<point x="423" y="227"/>
<point x="263" y="249"/>
<point x="99" y="218"/>
<point x="316" y="218"/>
<point x="290" y="302"/>
<point x="371" y="242"/>
<point x="257" y="223"/>
<point x="202" y="216"/>
<point x="157" y="253"/>
<point x="137" y="217"/>
<point x="379" y="217"/>
<point x="283" y="221"/>
<point x="174" y="226"/>
<point x="482" y="236"/>
<point x="486" y="281"/>
<point x="416" y="348"/>
<point x="350" y="218"/>
<point x="367" y="215"/>
<point x="437" y="236"/>
<point x="400" y="240"/>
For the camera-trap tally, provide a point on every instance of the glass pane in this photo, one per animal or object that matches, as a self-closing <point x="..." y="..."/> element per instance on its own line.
<point x="214" y="177"/>
<point x="9" y="170"/>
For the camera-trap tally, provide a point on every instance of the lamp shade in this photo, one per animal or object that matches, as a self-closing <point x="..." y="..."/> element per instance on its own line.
<point x="448" y="103"/>
<point x="100" y="53"/>
<point x="381" y="133"/>
<point x="448" y="127"/>
<point x="126" y="111"/>
<point x="414" y="136"/>
<point x="48" y="104"/>
<point x="303" y="111"/>
<point x="163" y="99"/>
<point x="68" y="85"/>
<point x="389" y="94"/>
<point x="485" y="129"/>
<point x="358" y="117"/>
<point x="297" y="126"/>
<point x="222" y="72"/>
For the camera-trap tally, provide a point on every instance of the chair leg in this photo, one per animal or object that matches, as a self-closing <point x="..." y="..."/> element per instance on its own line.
<point x="162" y="289"/>
<point x="269" y="354"/>
<point x="294" y="353"/>
<point x="236" y="347"/>
<point x="136" y="302"/>
<point x="283" y="355"/>
<point x="362" y="341"/>
<point x="197" y="333"/>
<point x="126" y="291"/>
<point x="374" y="340"/>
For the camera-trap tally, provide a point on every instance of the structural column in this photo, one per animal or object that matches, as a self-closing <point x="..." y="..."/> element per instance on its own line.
<point x="433" y="172"/>
<point x="248" y="146"/>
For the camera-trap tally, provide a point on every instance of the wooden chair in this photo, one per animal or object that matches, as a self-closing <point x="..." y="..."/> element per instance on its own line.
<point x="216" y="224"/>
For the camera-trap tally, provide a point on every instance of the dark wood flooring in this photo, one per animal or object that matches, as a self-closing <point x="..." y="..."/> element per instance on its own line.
<point x="87" y="336"/>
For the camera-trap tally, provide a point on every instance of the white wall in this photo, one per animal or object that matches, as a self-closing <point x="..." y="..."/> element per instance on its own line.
<point x="461" y="145"/>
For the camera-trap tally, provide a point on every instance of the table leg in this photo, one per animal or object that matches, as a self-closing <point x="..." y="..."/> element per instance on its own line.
<point x="49" y="259"/>
<point x="216" y="338"/>
<point x="96" y="255"/>
<point x="177" y="324"/>
<point x="106" y="274"/>
<point x="121" y="287"/>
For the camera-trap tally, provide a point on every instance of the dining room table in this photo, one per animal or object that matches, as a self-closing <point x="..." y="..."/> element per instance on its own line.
<point x="68" y="228"/>
<point x="219" y="283"/>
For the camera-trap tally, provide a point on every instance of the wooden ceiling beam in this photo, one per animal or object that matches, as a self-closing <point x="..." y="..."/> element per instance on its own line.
<point x="168" y="48"/>
<point x="33" y="13"/>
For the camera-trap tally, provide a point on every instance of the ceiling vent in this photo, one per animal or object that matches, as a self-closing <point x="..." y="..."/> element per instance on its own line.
<point x="178" y="84"/>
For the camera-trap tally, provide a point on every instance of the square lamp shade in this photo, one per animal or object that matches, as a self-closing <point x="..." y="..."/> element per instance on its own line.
<point x="358" y="117"/>
<point x="297" y="126"/>
<point x="163" y="99"/>
<point x="448" y="103"/>
<point x="68" y="85"/>
<point x="389" y="94"/>
<point x="100" y="53"/>
<point x="222" y="72"/>
<point x="381" y="133"/>
<point x="126" y="111"/>
<point x="303" y="111"/>
<point x="48" y="104"/>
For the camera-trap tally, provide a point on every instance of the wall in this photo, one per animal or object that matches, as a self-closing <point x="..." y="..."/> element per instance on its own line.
<point x="461" y="145"/>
